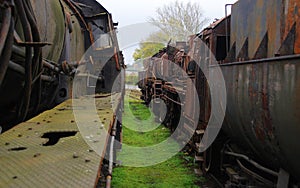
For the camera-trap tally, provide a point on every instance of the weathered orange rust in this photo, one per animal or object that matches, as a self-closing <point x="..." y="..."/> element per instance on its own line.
<point x="292" y="18"/>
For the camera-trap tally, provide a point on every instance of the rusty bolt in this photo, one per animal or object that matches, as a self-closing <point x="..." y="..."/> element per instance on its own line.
<point x="75" y="155"/>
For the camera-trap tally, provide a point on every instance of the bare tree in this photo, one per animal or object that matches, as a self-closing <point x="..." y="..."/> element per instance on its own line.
<point x="178" y="20"/>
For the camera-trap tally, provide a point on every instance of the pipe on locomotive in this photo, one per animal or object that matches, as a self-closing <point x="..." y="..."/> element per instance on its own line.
<point x="226" y="27"/>
<point x="6" y="37"/>
<point x="21" y="57"/>
<point x="111" y="154"/>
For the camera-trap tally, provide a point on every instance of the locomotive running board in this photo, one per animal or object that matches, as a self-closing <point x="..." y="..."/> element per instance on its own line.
<point x="49" y="151"/>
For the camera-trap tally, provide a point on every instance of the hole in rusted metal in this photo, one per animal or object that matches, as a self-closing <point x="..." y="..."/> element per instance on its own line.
<point x="36" y="155"/>
<point x="53" y="137"/>
<point x="17" y="149"/>
<point x="99" y="96"/>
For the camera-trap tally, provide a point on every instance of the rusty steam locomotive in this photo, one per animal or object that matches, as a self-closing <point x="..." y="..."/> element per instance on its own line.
<point x="42" y="47"/>
<point x="51" y="51"/>
<point x="257" y="48"/>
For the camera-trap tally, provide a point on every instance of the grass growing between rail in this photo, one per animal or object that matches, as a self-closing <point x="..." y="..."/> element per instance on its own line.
<point x="174" y="172"/>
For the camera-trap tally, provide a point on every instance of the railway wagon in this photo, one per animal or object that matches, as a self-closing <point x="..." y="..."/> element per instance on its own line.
<point x="262" y="83"/>
<point x="257" y="50"/>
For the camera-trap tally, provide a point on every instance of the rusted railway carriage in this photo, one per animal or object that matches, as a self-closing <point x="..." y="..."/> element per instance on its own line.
<point x="257" y="49"/>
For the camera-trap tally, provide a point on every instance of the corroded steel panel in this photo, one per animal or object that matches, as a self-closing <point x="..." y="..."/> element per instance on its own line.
<point x="291" y="16"/>
<point x="254" y="19"/>
<point x="263" y="110"/>
<point x="58" y="24"/>
<point x="51" y="24"/>
<point x="75" y="39"/>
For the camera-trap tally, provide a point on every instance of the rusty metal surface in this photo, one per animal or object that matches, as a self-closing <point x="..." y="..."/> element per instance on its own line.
<point x="30" y="156"/>
<point x="58" y="24"/>
<point x="51" y="25"/>
<point x="57" y="32"/>
<point x="75" y="40"/>
<point x="290" y="17"/>
<point x="216" y="37"/>
<point x="254" y="19"/>
<point x="263" y="111"/>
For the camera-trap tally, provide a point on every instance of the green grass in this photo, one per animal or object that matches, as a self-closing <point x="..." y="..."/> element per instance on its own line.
<point x="175" y="172"/>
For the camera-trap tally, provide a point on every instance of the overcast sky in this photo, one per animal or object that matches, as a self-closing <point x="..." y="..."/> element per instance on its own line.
<point x="128" y="12"/>
<point x="133" y="14"/>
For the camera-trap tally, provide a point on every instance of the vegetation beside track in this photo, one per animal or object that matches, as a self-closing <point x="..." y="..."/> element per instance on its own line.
<point x="175" y="172"/>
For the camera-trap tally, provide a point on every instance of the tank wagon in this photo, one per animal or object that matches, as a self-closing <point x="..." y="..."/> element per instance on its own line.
<point x="44" y="44"/>
<point x="257" y="49"/>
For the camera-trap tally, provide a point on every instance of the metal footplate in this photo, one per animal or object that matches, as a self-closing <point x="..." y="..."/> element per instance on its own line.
<point x="49" y="151"/>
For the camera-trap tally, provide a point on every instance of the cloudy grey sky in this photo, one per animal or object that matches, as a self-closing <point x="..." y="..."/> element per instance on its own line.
<point x="133" y="15"/>
<point x="128" y="12"/>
